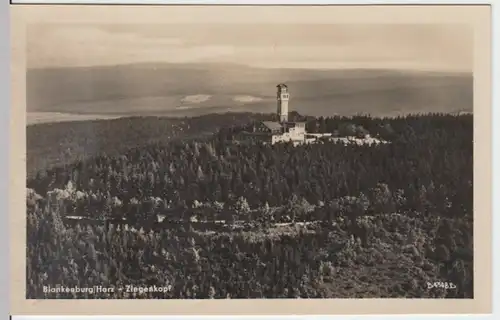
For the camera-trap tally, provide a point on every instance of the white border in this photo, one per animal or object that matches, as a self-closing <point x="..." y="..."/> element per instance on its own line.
<point x="254" y="2"/>
<point x="350" y="317"/>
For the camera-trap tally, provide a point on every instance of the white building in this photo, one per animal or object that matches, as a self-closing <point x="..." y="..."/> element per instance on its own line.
<point x="278" y="131"/>
<point x="288" y="131"/>
<point x="283" y="96"/>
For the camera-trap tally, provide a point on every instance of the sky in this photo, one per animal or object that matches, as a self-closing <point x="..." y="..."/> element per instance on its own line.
<point x="438" y="47"/>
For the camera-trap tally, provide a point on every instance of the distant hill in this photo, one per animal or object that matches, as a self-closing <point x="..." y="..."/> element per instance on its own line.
<point x="196" y="89"/>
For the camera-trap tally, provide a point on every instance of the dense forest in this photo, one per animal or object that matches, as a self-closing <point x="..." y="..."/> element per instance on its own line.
<point x="192" y="210"/>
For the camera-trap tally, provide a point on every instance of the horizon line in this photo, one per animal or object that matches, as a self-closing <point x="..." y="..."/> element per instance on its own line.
<point x="241" y="65"/>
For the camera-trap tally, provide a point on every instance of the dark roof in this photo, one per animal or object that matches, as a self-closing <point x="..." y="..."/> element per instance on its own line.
<point x="296" y="122"/>
<point x="281" y="85"/>
<point x="272" y="125"/>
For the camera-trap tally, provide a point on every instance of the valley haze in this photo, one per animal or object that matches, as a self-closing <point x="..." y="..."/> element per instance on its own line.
<point x="191" y="89"/>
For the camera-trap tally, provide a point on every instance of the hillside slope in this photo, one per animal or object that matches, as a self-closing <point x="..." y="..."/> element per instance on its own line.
<point x="50" y="144"/>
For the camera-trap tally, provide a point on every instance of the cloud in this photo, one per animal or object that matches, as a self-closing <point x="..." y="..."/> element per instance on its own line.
<point x="366" y="55"/>
<point x="246" y="99"/>
<point x="89" y="46"/>
<point x="405" y="46"/>
<point x="198" y="98"/>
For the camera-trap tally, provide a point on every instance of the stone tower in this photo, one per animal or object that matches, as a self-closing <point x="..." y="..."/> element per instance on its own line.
<point x="283" y="97"/>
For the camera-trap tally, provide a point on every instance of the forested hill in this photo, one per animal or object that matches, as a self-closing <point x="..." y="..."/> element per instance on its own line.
<point x="56" y="144"/>
<point x="428" y="149"/>
<point x="408" y="203"/>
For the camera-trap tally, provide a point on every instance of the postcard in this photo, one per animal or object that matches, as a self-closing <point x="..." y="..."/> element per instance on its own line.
<point x="272" y="159"/>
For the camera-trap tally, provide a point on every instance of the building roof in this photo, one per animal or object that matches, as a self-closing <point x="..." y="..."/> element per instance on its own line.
<point x="272" y="125"/>
<point x="282" y="85"/>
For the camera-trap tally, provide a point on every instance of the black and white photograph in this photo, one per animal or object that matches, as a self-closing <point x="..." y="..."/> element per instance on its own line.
<point x="273" y="160"/>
